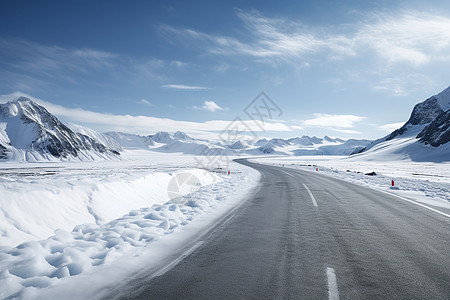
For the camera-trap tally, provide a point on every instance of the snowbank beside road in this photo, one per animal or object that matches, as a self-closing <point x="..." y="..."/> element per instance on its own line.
<point x="34" y="266"/>
<point x="33" y="206"/>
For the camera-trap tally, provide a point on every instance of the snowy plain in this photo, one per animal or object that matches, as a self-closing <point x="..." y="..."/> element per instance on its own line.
<point x="65" y="225"/>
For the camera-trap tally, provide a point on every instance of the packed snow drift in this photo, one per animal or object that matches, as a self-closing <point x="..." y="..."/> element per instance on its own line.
<point x="61" y="220"/>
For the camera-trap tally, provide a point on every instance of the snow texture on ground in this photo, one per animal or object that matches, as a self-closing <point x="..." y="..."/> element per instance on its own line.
<point x="76" y="219"/>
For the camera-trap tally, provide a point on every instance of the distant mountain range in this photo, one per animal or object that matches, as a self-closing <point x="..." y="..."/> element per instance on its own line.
<point x="424" y="137"/>
<point x="28" y="132"/>
<point x="180" y="142"/>
<point x="306" y="145"/>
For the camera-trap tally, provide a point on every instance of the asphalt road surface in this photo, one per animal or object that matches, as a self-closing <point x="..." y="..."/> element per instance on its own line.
<point x="308" y="236"/>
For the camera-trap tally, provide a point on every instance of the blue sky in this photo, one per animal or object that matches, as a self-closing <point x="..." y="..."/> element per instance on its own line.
<point x="352" y="69"/>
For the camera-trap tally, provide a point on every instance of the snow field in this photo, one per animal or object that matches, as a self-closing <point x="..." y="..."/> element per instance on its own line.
<point x="43" y="264"/>
<point x="33" y="207"/>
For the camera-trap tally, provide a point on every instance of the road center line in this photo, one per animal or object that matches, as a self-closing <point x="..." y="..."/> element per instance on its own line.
<point x="288" y="174"/>
<point x="309" y="192"/>
<point x="311" y="195"/>
<point x="333" y="293"/>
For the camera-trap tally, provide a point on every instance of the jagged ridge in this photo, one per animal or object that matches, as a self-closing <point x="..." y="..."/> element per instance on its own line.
<point x="30" y="127"/>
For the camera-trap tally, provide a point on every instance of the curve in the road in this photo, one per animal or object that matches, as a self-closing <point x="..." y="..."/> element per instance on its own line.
<point x="308" y="236"/>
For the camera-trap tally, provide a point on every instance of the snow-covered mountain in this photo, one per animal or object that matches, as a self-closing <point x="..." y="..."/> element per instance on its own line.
<point x="277" y="142"/>
<point x="131" y="141"/>
<point x="180" y="142"/>
<point x="238" y="145"/>
<point x="261" y="142"/>
<point x="333" y="140"/>
<point x="348" y="147"/>
<point x="304" y="140"/>
<point x="425" y="136"/>
<point x="306" y="145"/>
<point x="28" y="132"/>
<point x="162" y="137"/>
<point x="437" y="133"/>
<point x="179" y="135"/>
<point x="109" y="142"/>
<point x="163" y="141"/>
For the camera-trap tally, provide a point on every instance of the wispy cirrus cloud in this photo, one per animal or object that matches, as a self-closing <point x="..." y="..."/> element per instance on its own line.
<point x="404" y="84"/>
<point x="184" y="87"/>
<point x="268" y="40"/>
<point x="145" y="102"/>
<point x="390" y="52"/>
<point x="28" y="65"/>
<point x="409" y="36"/>
<point x="412" y="37"/>
<point x="51" y="60"/>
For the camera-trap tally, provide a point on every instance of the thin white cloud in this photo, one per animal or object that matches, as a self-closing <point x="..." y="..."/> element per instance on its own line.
<point x="26" y="64"/>
<point x="390" y="127"/>
<point x="141" y="72"/>
<point x="332" y="121"/>
<point x="295" y="127"/>
<point x="53" y="60"/>
<point x="144" y="124"/>
<point x="409" y="37"/>
<point x="269" y="41"/>
<point x="178" y="63"/>
<point x="222" y="68"/>
<point x="145" y="102"/>
<point x="209" y="106"/>
<point x="184" y="87"/>
<point x="404" y="84"/>
<point x="348" y="131"/>
<point x="412" y="37"/>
